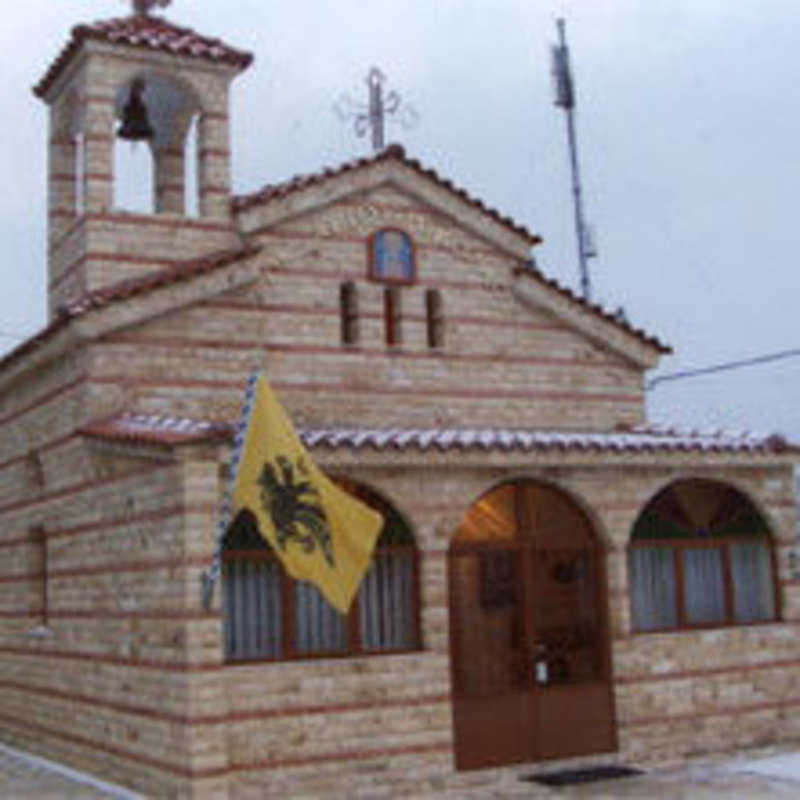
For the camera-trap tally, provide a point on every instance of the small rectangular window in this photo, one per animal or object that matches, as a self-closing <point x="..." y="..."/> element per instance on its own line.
<point x="434" y="318"/>
<point x="38" y="573"/>
<point x="392" y="315"/>
<point x="79" y="176"/>
<point x="348" y="312"/>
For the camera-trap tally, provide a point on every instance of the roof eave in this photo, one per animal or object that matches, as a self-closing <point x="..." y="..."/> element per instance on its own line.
<point x="272" y="205"/>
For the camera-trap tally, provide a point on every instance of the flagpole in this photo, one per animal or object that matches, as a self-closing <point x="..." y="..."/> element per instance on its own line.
<point x="211" y="575"/>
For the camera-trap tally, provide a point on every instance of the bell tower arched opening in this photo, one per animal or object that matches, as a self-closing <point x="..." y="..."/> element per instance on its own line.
<point x="155" y="116"/>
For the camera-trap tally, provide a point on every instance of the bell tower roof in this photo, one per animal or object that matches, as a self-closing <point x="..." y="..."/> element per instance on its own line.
<point x="145" y="31"/>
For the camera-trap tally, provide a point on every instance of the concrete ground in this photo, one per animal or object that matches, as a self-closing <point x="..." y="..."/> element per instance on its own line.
<point x="764" y="774"/>
<point x="23" y="775"/>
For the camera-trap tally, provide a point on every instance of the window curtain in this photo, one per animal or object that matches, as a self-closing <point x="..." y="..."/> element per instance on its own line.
<point x="703" y="585"/>
<point x="252" y="609"/>
<point x="751" y="567"/>
<point x="653" y="588"/>
<point x="386" y="602"/>
<point x="319" y="627"/>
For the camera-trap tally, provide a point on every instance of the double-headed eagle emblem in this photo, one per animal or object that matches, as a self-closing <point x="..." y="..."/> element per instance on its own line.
<point x="293" y="503"/>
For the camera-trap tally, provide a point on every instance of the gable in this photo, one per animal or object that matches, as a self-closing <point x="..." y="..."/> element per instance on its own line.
<point x="275" y="204"/>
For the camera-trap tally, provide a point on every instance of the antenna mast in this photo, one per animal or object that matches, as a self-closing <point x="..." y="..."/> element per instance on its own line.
<point x="565" y="98"/>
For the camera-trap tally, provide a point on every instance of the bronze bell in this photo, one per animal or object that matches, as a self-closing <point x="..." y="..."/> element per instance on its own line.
<point x="135" y="124"/>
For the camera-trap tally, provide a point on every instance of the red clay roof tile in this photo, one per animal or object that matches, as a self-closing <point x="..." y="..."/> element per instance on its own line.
<point x="392" y="152"/>
<point x="153" y="33"/>
<point x="536" y="274"/>
<point x="133" y="287"/>
<point x="130" y="427"/>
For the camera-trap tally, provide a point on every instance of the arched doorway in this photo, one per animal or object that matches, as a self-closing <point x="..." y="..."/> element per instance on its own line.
<point x="528" y="630"/>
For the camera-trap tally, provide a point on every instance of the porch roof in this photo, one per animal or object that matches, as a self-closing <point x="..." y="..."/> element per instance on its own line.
<point x="133" y="428"/>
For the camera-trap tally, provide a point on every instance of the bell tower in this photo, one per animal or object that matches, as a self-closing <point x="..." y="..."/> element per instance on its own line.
<point x="136" y="82"/>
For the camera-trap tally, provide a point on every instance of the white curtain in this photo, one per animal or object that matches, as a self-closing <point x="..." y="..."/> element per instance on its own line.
<point x="319" y="627"/>
<point x="754" y="597"/>
<point x="703" y="585"/>
<point x="386" y="602"/>
<point x="252" y="609"/>
<point x="653" y="588"/>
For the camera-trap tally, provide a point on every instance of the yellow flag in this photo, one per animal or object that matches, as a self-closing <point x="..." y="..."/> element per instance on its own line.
<point x="320" y="532"/>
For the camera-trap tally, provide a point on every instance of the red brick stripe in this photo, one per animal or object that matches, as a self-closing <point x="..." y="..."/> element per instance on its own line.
<point x="70" y="655"/>
<point x="625" y="680"/>
<point x="360" y="240"/>
<point x="337" y="388"/>
<point x="110" y="613"/>
<point x="351" y="755"/>
<point x="735" y="711"/>
<point x="42" y="399"/>
<point x="294" y="309"/>
<point x="84" y="485"/>
<point x="45" y="446"/>
<point x="354" y="275"/>
<point x="59" y="733"/>
<point x="131" y="566"/>
<point x="218" y="719"/>
<point x="130" y="519"/>
<point x="339" y="352"/>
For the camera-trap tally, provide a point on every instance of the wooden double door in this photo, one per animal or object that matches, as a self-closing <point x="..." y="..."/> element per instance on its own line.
<point x="528" y="631"/>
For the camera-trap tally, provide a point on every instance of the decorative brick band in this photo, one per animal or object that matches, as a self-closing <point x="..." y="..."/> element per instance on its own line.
<point x="221" y="190"/>
<point x="335" y="237"/>
<point x="84" y="485"/>
<point x="45" y="398"/>
<point x="733" y="711"/>
<point x="336" y="388"/>
<point x="149" y="664"/>
<point x="219" y="719"/>
<point x="113" y="568"/>
<point x="59" y="177"/>
<point x="352" y="755"/>
<point x="127" y="755"/>
<point x="130" y="519"/>
<point x="355" y="275"/>
<point x="293" y="308"/>
<point x="341" y="351"/>
<point x="112" y="613"/>
<point x="760" y="666"/>
<point x="124" y="258"/>
<point x="53" y="443"/>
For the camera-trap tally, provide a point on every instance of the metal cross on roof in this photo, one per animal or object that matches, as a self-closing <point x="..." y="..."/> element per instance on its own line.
<point x="373" y="116"/>
<point x="143" y="7"/>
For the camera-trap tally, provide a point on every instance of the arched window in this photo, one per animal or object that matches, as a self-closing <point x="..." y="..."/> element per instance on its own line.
<point x="391" y="256"/>
<point x="700" y="555"/>
<point x="268" y="615"/>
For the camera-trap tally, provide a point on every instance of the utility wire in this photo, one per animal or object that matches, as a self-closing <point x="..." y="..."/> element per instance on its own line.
<point x="729" y="365"/>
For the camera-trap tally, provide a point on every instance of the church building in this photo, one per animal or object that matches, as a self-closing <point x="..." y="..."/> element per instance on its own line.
<point x="556" y="582"/>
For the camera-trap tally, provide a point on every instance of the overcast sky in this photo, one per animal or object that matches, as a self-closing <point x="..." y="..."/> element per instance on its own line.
<point x="688" y="126"/>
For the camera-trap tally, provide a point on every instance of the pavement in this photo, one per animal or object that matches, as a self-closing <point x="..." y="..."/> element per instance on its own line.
<point x="762" y="774"/>
<point x="23" y="775"/>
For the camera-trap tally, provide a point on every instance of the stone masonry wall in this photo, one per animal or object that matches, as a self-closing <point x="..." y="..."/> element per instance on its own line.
<point x="329" y="727"/>
<point x="501" y="362"/>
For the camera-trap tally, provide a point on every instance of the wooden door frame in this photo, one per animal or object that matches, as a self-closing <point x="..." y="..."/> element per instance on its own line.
<point x="522" y="550"/>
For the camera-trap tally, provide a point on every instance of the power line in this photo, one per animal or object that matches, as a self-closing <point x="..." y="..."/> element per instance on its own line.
<point x="728" y="365"/>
